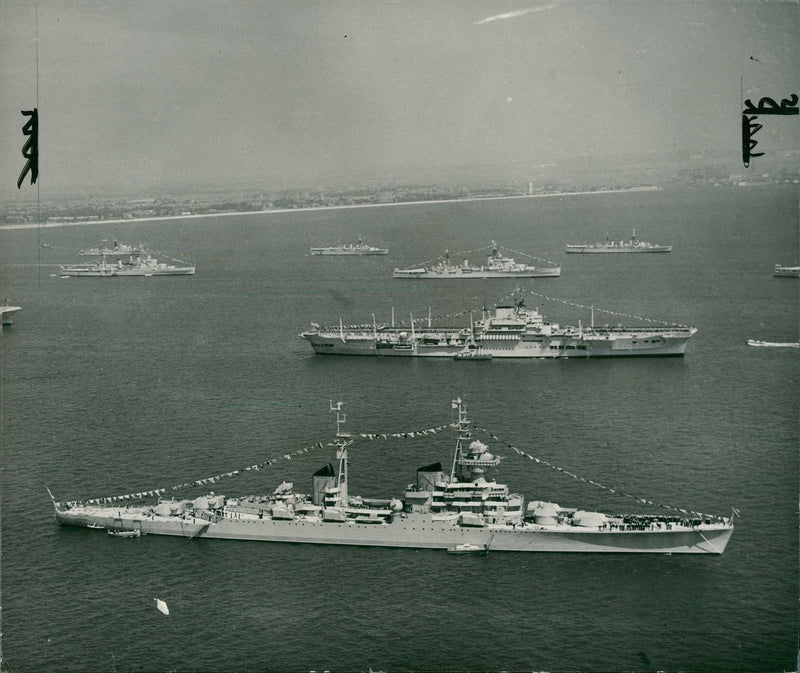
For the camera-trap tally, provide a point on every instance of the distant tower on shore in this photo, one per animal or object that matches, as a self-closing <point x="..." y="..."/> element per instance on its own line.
<point x="530" y="188"/>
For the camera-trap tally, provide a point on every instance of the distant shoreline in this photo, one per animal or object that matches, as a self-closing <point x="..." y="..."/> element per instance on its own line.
<point x="34" y="225"/>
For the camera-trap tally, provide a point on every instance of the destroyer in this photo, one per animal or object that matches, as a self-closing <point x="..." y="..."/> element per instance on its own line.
<point x="350" y="249"/>
<point x="633" y="245"/>
<point x="117" y="249"/>
<point x="497" y="266"/>
<point x="459" y="509"/>
<point x="509" y="332"/>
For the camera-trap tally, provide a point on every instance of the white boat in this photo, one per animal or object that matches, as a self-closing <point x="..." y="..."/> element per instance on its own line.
<point x="787" y="271"/>
<point x="773" y="344"/>
<point x="472" y="354"/>
<point x="467" y="548"/>
<point x="6" y="311"/>
<point x="122" y="533"/>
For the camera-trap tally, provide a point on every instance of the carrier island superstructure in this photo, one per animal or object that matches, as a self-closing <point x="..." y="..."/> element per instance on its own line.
<point x="442" y="509"/>
<point x="511" y="331"/>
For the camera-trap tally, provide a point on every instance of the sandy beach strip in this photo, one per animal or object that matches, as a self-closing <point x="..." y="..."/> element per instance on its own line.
<point x="276" y="211"/>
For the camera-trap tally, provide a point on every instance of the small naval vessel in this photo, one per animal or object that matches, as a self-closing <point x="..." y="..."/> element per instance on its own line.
<point x="459" y="510"/>
<point x="510" y="331"/>
<point x="633" y="245"/>
<point x="350" y="249"/>
<point x="117" y="249"/>
<point x="787" y="271"/>
<point x="496" y="266"/>
<point x="99" y="269"/>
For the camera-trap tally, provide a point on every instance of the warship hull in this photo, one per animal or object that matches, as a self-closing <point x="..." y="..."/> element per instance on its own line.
<point x="587" y="249"/>
<point x="542" y="347"/>
<point x="169" y="271"/>
<point x="346" y="252"/>
<point x="464" y="274"/>
<point x="112" y="271"/>
<point x="411" y="531"/>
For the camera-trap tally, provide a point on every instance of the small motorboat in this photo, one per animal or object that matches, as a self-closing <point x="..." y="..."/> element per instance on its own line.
<point x="467" y="548"/>
<point x="472" y="354"/>
<point x="125" y="533"/>
<point x="773" y="344"/>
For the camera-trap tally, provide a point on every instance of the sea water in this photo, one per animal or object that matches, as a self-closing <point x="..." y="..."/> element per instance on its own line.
<point x="119" y="385"/>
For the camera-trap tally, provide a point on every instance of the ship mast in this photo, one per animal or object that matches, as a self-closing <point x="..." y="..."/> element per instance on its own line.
<point x="470" y="465"/>
<point x="341" y="443"/>
<point x="463" y="435"/>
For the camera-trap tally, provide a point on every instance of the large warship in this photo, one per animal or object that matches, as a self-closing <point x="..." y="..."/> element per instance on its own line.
<point x="511" y="331"/>
<point x="609" y="246"/>
<point x="115" y="250"/>
<point x="350" y="249"/>
<point x="133" y="266"/>
<point x="459" y="509"/>
<point x="496" y="266"/>
<point x="139" y="262"/>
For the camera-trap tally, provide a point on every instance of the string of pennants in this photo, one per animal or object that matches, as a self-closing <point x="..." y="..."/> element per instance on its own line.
<point x="524" y="254"/>
<point x="424" y="319"/>
<point x="456" y="255"/>
<point x="461" y="253"/>
<point x="405" y="435"/>
<point x="601" y="310"/>
<point x="615" y="491"/>
<point x="257" y="467"/>
<point x="458" y="314"/>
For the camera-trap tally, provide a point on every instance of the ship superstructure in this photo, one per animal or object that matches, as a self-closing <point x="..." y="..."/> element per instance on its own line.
<point x="496" y="266"/>
<point x="461" y="509"/>
<point x="609" y="246"/>
<point x="511" y="331"/>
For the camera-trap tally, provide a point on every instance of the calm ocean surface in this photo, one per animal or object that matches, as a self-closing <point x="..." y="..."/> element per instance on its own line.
<point x="119" y="385"/>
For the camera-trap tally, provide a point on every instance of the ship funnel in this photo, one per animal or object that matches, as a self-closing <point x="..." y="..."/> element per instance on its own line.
<point x="322" y="479"/>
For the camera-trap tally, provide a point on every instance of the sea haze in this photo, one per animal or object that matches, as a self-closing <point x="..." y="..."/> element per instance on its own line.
<point x="118" y="385"/>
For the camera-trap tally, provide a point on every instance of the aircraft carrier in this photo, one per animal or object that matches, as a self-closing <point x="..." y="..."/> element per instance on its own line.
<point x="512" y="331"/>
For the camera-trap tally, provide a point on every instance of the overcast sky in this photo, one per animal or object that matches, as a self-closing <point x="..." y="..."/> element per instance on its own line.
<point x="133" y="94"/>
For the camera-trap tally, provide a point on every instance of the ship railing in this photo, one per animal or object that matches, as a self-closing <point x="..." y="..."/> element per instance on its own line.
<point x="603" y="329"/>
